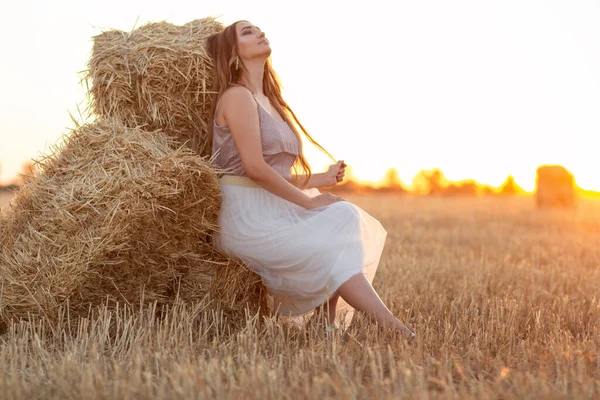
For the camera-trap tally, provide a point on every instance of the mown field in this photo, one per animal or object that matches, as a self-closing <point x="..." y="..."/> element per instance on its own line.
<point x="504" y="299"/>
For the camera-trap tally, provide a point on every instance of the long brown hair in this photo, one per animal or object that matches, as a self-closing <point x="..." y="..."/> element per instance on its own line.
<point x="222" y="48"/>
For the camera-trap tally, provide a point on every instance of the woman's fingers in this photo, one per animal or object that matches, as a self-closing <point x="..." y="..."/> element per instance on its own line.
<point x="337" y="198"/>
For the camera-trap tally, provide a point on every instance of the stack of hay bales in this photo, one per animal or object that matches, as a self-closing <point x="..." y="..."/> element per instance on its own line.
<point x="124" y="210"/>
<point x="157" y="76"/>
<point x="555" y="187"/>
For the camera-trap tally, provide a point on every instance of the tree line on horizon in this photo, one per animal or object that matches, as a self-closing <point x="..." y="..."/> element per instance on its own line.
<point x="427" y="183"/>
<point x="430" y="182"/>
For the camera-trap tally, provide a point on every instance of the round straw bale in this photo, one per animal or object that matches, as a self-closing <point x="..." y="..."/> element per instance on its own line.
<point x="555" y="186"/>
<point x="117" y="214"/>
<point x="157" y="75"/>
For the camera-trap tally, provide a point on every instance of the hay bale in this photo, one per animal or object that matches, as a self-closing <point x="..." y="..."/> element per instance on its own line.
<point x="117" y="214"/>
<point x="555" y="187"/>
<point x="157" y="75"/>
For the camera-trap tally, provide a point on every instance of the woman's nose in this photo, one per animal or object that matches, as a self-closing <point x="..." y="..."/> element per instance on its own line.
<point x="261" y="35"/>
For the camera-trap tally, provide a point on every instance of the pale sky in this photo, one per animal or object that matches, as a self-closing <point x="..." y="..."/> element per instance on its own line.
<point x="480" y="89"/>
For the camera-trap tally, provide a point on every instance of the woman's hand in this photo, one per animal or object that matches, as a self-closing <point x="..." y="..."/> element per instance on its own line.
<point x="324" y="199"/>
<point x="334" y="174"/>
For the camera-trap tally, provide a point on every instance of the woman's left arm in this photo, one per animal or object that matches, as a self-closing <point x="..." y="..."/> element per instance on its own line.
<point x="316" y="181"/>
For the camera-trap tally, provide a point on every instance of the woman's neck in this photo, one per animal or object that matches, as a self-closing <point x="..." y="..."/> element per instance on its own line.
<point x="253" y="80"/>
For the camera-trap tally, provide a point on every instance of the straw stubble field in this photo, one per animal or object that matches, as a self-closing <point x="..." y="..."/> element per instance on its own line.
<point x="504" y="299"/>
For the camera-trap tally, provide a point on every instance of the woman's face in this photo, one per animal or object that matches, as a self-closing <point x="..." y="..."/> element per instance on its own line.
<point x="251" y="42"/>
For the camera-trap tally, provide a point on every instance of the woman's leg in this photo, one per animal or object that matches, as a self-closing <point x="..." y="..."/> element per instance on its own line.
<point x="358" y="292"/>
<point x="327" y="310"/>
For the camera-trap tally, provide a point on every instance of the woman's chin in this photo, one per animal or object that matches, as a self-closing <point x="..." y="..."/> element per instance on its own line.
<point x="266" y="52"/>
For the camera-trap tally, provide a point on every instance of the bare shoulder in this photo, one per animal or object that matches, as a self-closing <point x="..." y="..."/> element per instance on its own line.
<point x="234" y="100"/>
<point x="237" y="105"/>
<point x="236" y="96"/>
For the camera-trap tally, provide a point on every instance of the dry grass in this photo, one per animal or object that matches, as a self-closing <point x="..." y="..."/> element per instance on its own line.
<point x="504" y="298"/>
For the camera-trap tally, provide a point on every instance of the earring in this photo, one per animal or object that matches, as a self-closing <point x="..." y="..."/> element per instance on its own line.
<point x="237" y="63"/>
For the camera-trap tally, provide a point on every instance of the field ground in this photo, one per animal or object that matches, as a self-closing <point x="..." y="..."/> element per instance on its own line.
<point x="504" y="299"/>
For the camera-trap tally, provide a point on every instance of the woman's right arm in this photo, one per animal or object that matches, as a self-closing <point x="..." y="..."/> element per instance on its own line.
<point x="241" y="115"/>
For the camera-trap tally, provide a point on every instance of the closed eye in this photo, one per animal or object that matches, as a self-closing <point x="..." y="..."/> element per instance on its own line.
<point x="248" y="29"/>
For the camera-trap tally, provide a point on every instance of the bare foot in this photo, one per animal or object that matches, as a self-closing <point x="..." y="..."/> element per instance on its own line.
<point x="409" y="335"/>
<point x="402" y="333"/>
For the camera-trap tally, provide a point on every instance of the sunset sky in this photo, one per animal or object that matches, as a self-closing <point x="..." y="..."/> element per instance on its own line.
<point x="480" y="89"/>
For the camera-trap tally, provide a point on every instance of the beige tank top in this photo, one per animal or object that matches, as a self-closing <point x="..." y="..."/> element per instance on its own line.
<point x="280" y="146"/>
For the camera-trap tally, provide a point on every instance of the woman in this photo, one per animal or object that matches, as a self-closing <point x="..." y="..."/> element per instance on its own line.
<point x="309" y="248"/>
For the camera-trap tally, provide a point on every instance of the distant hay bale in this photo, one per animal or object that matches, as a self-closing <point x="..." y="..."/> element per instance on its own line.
<point x="555" y="187"/>
<point x="157" y="75"/>
<point x="118" y="215"/>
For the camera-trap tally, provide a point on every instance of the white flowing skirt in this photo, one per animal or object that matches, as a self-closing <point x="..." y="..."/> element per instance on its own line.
<point x="302" y="256"/>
